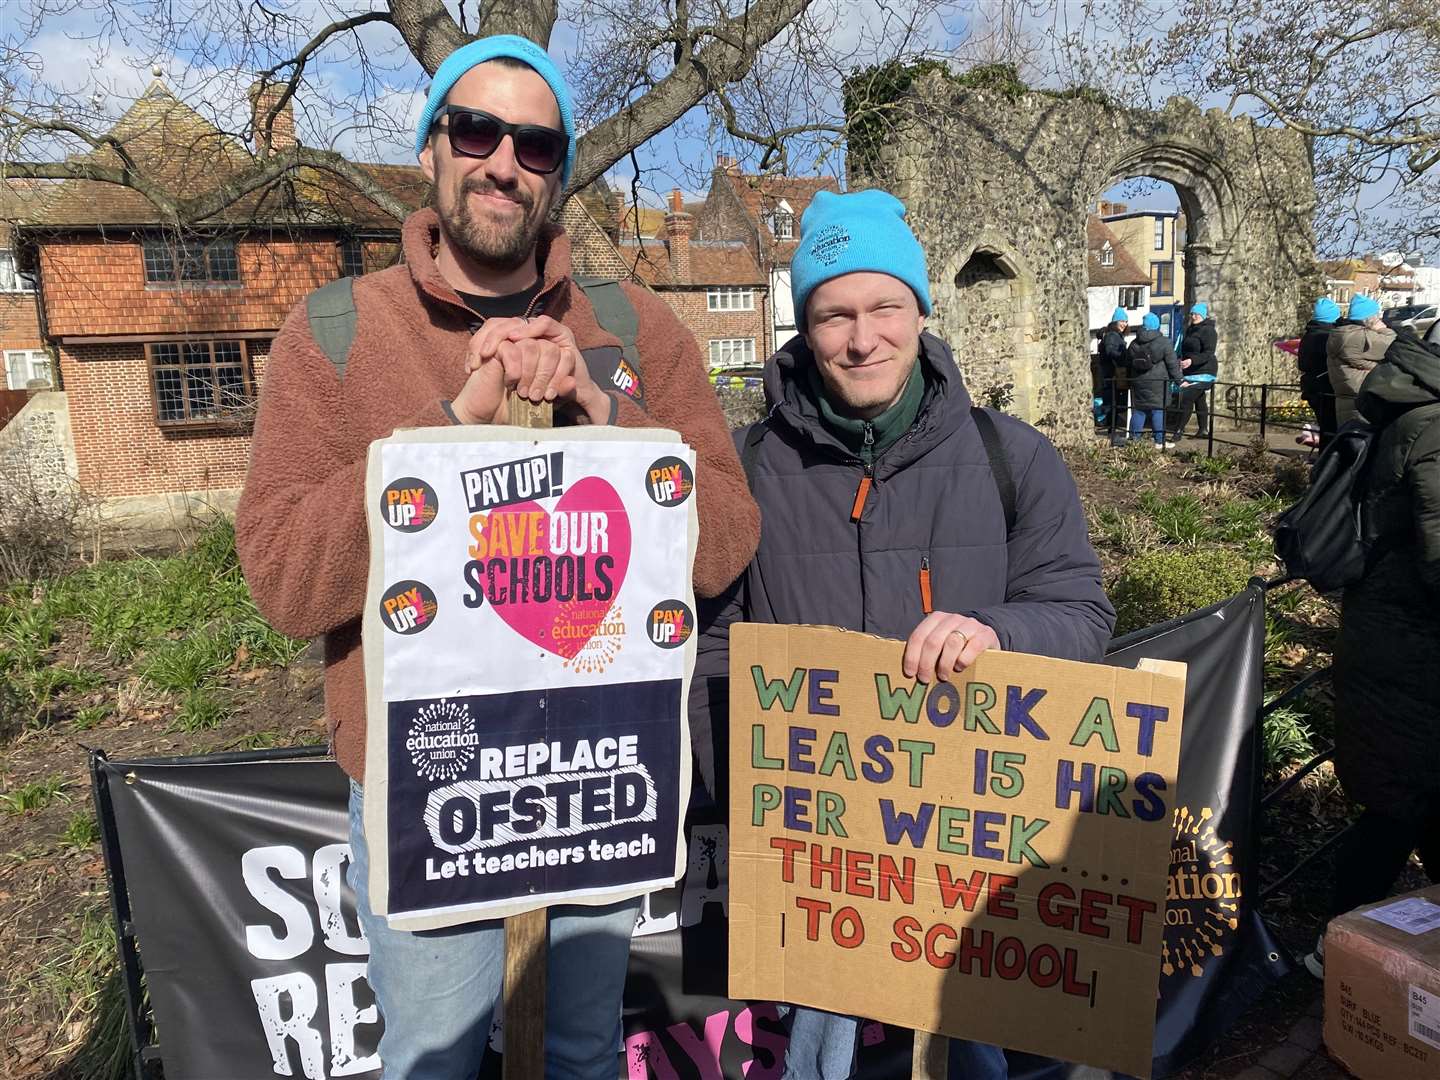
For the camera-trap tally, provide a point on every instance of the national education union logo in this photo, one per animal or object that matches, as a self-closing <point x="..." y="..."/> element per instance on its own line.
<point x="1202" y="908"/>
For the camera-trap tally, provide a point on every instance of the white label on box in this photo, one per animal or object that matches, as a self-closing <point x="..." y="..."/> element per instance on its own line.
<point x="1414" y="915"/>
<point x="1425" y="1016"/>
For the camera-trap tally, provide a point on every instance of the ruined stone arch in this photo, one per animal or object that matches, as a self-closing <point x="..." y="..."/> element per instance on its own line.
<point x="983" y="307"/>
<point x="1013" y="179"/>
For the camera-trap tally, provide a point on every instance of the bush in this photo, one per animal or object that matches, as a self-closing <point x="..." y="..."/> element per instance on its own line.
<point x="1167" y="583"/>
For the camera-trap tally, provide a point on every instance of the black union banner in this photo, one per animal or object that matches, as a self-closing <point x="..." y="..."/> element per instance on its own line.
<point x="235" y="871"/>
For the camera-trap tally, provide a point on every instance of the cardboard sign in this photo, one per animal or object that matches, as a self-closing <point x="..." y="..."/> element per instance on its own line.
<point x="528" y="638"/>
<point x="984" y="859"/>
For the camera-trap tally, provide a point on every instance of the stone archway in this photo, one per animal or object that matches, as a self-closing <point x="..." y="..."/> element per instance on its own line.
<point x="1014" y="177"/>
<point x="982" y="307"/>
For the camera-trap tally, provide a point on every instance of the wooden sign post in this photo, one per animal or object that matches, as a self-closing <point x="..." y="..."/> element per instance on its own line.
<point x="930" y="1059"/>
<point x="526" y="936"/>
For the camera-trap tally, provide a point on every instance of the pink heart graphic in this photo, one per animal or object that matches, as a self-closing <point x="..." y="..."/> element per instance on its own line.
<point x="588" y="522"/>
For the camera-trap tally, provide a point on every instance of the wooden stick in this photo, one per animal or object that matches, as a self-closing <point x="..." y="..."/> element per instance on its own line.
<point x="930" y="1059"/>
<point x="526" y="936"/>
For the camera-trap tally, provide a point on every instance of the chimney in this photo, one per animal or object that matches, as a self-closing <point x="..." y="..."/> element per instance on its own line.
<point x="616" y="228"/>
<point x="726" y="163"/>
<point x="263" y="96"/>
<point x="678" y="225"/>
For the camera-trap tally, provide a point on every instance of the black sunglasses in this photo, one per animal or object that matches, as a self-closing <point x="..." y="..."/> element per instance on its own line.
<point x="477" y="134"/>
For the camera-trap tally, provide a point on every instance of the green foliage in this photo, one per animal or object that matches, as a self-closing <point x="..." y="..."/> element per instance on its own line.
<point x="1288" y="738"/>
<point x="1212" y="468"/>
<point x="1181" y="519"/>
<point x="200" y="710"/>
<point x="86" y="718"/>
<point x="1168" y="582"/>
<point x="868" y="96"/>
<point x="997" y="78"/>
<point x="36" y="795"/>
<point x="81" y="831"/>
<point x="189" y="620"/>
<point x="83" y="980"/>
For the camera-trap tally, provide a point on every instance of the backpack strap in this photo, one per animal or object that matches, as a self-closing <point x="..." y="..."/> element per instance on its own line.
<point x="999" y="463"/>
<point x="331" y="312"/>
<point x="615" y="313"/>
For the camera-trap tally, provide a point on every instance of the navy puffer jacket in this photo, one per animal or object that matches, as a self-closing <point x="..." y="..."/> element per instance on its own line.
<point x="933" y="501"/>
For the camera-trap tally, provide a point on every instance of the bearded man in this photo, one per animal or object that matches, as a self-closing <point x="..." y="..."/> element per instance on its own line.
<point x="483" y="306"/>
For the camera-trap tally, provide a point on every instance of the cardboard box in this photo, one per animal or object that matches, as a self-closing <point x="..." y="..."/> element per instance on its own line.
<point x="1382" y="988"/>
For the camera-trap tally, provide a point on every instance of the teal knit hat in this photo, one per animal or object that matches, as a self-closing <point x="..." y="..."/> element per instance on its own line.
<point x="1362" y="307"/>
<point x="1202" y="309"/>
<point x="493" y="48"/>
<point x="1120" y="315"/>
<point x="1151" y="321"/>
<point x="860" y="230"/>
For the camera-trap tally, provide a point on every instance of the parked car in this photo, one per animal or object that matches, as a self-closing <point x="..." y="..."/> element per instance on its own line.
<point x="1420" y="316"/>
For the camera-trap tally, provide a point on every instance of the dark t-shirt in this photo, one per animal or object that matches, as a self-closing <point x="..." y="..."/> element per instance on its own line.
<point x="505" y="307"/>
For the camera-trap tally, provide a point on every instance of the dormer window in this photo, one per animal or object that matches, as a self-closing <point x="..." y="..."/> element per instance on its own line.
<point x="1107" y="254"/>
<point x="782" y="221"/>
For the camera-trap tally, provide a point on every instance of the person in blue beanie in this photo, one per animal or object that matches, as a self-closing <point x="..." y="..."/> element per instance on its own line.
<point x="1358" y="342"/>
<point x="1114" y="392"/>
<point x="1153" y="369"/>
<point x="1313" y="361"/>
<point x="1200" y="366"/>
<point x="882" y="491"/>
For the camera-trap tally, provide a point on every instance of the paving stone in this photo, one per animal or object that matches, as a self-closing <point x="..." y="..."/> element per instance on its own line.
<point x="1286" y="1060"/>
<point x="1306" y="1033"/>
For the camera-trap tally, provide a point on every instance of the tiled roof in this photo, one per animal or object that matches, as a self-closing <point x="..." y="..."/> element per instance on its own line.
<point x="1125" y="270"/>
<point x="591" y="252"/>
<point x="760" y="195"/>
<point x="710" y="264"/>
<point x="188" y="155"/>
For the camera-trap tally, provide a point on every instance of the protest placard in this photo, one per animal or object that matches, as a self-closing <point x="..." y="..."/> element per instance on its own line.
<point x="985" y="858"/>
<point x="528" y="640"/>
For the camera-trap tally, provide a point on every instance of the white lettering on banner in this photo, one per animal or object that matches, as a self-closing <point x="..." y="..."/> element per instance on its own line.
<point x="477" y="814"/>
<point x="340" y="982"/>
<point x="706" y="882"/>
<point x="329" y="878"/>
<point x="297" y="1025"/>
<point x="262" y="941"/>
<point x="289" y="1002"/>
<point x="299" y="988"/>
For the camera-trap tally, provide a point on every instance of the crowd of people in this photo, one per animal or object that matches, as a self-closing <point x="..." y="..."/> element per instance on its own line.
<point x="1142" y="376"/>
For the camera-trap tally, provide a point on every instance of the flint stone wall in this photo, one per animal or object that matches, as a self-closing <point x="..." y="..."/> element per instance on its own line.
<point x="998" y="189"/>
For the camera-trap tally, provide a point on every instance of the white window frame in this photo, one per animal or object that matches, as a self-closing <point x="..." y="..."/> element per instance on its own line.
<point x="782" y="222"/>
<point x="730" y="298"/>
<point x="1107" y="254"/>
<point x="37" y="361"/>
<point x="732" y="352"/>
<point x="11" y="280"/>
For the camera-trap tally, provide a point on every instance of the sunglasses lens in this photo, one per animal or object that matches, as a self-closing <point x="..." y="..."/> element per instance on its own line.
<point x="474" y="134"/>
<point x="539" y="150"/>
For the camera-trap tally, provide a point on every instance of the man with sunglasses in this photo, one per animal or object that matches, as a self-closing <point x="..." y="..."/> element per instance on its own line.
<point x="483" y="306"/>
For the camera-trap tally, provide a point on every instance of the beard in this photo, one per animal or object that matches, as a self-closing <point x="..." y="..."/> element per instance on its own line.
<point x="500" y="246"/>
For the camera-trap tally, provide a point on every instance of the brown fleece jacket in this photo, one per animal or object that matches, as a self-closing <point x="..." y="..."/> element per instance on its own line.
<point x="300" y="527"/>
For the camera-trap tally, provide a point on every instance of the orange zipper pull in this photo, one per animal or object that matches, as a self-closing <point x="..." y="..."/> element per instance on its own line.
<point x="861" y="493"/>
<point x="927" y="605"/>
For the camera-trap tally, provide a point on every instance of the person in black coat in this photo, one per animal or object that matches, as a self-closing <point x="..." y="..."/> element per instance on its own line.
<point x="1152" y="367"/>
<point x="1111" y="361"/>
<point x="1315" y="368"/>
<point x="1199" y="365"/>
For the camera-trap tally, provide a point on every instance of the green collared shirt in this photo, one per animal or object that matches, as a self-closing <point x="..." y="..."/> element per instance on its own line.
<point x="868" y="439"/>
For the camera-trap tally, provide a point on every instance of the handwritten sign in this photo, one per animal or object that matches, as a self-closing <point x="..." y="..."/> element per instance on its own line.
<point x="528" y="641"/>
<point x="984" y="859"/>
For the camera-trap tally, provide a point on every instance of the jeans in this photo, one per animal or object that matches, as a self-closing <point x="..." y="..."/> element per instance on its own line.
<point x="823" y="1046"/>
<point x="437" y="989"/>
<point x="1156" y="418"/>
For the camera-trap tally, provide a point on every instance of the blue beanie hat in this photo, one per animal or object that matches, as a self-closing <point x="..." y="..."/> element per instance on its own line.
<point x="493" y="48"/>
<point x="861" y="230"/>
<point x="1119" y="315"/>
<point x="1362" y="307"/>
<point x="1202" y="309"/>
<point x="1151" y="321"/>
<point x="1326" y="310"/>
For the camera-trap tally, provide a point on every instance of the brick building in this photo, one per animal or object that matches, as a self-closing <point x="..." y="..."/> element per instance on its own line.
<point x="26" y="360"/>
<point x="162" y="334"/>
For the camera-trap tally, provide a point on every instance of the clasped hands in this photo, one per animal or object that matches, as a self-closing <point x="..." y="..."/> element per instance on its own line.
<point x="536" y="359"/>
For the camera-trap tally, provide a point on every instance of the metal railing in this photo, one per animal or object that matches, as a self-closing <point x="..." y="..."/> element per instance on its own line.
<point x="1238" y="414"/>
